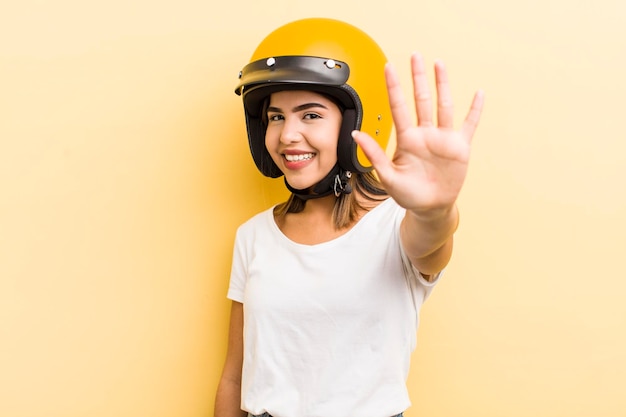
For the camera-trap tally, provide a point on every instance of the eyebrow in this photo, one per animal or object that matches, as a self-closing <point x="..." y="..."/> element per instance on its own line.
<point x="301" y="107"/>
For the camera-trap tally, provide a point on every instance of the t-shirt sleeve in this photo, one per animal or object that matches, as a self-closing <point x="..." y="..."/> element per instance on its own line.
<point x="417" y="279"/>
<point x="238" y="272"/>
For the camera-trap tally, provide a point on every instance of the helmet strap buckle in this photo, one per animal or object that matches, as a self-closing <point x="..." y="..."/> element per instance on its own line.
<point x="341" y="185"/>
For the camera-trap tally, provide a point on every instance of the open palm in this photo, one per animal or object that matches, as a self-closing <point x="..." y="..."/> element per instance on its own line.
<point x="430" y="162"/>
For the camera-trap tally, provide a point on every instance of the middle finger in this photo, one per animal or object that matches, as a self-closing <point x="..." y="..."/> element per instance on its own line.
<point x="423" y="102"/>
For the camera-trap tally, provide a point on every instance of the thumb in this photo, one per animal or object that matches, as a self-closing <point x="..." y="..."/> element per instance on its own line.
<point x="373" y="151"/>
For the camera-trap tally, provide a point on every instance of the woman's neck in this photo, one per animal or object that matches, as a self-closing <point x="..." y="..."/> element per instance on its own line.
<point x="313" y="225"/>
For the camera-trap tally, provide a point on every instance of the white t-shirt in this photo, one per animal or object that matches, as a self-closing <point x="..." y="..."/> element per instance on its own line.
<point x="328" y="328"/>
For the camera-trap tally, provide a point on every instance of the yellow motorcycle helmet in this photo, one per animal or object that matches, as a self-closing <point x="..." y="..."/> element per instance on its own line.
<point x="327" y="56"/>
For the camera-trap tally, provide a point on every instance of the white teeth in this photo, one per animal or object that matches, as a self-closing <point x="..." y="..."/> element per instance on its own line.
<point x="301" y="157"/>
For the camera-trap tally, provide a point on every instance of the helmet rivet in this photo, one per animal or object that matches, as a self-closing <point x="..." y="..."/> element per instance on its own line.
<point x="270" y="62"/>
<point x="240" y="74"/>
<point x="330" y="63"/>
<point x="377" y="132"/>
<point x="380" y="117"/>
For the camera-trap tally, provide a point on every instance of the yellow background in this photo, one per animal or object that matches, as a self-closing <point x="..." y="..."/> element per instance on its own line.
<point x="124" y="172"/>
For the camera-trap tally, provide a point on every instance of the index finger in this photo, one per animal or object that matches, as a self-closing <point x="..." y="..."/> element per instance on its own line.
<point x="399" y="109"/>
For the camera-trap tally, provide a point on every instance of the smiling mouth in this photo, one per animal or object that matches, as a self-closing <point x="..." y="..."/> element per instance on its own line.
<point x="300" y="157"/>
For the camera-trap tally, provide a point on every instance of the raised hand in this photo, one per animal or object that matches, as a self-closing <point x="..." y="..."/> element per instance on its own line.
<point x="429" y="165"/>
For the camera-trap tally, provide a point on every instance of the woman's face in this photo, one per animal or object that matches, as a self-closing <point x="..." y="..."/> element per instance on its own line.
<point x="302" y="135"/>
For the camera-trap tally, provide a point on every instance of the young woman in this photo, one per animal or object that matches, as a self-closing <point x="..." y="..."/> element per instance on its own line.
<point x="327" y="287"/>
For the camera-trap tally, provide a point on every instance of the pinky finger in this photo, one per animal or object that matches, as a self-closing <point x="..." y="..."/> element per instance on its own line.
<point x="473" y="116"/>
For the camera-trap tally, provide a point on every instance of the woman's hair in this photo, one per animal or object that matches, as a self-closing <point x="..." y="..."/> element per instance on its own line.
<point x="347" y="206"/>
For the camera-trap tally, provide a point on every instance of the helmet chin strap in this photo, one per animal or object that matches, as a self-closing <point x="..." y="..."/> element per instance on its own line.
<point x="336" y="181"/>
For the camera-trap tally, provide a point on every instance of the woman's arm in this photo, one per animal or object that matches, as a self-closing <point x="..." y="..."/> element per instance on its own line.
<point x="429" y="165"/>
<point x="427" y="239"/>
<point x="228" y="397"/>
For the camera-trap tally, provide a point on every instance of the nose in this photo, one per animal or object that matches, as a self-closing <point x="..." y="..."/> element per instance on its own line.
<point x="291" y="132"/>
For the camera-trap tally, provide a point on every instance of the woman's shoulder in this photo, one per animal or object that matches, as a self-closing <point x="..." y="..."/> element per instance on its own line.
<point x="259" y="219"/>
<point x="381" y="205"/>
<point x="382" y="213"/>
